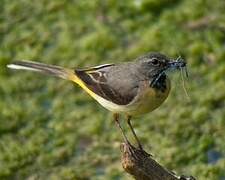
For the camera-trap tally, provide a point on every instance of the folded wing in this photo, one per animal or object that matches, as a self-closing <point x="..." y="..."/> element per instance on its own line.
<point x="97" y="80"/>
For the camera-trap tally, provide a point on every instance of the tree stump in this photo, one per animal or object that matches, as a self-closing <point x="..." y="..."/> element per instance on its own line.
<point x="142" y="166"/>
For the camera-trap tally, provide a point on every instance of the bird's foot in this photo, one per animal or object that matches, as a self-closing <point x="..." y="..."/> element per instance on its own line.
<point x="135" y="152"/>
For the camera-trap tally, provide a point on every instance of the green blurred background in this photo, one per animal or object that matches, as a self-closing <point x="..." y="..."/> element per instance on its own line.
<point x="51" y="129"/>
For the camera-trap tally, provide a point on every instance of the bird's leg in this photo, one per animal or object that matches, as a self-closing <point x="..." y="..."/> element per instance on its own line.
<point x="116" y="119"/>
<point x="131" y="149"/>
<point x="135" y="136"/>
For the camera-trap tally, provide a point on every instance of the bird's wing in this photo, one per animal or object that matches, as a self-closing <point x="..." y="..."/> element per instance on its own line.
<point x="96" y="79"/>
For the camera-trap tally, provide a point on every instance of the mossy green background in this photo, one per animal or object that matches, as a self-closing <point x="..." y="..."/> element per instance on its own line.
<point x="51" y="129"/>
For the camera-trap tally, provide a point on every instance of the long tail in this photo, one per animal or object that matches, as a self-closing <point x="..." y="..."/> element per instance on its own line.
<point x="44" y="68"/>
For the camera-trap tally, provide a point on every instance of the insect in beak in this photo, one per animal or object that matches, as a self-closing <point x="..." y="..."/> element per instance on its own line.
<point x="178" y="63"/>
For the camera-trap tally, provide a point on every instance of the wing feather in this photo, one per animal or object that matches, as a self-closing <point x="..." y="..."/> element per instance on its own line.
<point x="95" y="78"/>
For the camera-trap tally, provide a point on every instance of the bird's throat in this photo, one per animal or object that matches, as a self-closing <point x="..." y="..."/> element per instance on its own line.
<point x="159" y="82"/>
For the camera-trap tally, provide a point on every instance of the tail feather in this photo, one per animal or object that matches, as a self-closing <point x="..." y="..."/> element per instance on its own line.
<point x="43" y="68"/>
<point x="58" y="71"/>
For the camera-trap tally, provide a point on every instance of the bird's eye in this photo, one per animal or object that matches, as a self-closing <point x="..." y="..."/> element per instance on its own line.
<point x="155" y="62"/>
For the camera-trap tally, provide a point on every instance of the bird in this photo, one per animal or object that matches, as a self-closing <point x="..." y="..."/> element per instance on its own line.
<point x="130" y="88"/>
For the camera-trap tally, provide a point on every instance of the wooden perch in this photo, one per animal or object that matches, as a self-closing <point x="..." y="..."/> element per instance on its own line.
<point x="141" y="166"/>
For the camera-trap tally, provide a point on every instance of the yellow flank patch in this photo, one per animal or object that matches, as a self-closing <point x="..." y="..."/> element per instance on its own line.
<point x="72" y="76"/>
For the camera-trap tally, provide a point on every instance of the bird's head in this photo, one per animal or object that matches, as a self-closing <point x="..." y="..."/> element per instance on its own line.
<point x="154" y="65"/>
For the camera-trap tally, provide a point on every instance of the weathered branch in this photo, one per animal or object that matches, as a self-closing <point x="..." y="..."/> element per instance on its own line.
<point x="142" y="166"/>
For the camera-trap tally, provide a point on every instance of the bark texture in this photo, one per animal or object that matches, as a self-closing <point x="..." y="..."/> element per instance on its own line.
<point x="142" y="166"/>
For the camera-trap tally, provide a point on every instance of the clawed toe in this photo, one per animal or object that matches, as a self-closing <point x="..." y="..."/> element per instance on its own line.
<point x="132" y="150"/>
<point x="135" y="152"/>
<point x="144" y="152"/>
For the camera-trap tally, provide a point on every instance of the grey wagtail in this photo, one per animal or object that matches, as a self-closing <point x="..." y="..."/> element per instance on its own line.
<point x="130" y="88"/>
